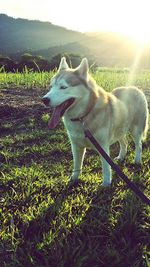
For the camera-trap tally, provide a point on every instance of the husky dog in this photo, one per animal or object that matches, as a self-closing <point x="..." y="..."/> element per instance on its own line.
<point x="75" y="96"/>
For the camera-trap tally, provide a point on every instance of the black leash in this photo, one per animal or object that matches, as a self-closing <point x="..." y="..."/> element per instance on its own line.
<point x="115" y="167"/>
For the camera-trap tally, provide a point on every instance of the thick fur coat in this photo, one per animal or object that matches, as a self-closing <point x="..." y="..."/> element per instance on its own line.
<point x="75" y="96"/>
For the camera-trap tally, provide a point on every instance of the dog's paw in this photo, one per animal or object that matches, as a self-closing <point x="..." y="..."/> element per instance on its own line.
<point x="73" y="182"/>
<point x="119" y="159"/>
<point x="106" y="183"/>
<point x="137" y="161"/>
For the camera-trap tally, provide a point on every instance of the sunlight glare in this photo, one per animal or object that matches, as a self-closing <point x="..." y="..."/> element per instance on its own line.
<point x="127" y="17"/>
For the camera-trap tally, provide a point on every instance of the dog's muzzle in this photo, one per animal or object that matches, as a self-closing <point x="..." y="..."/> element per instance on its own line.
<point x="46" y="101"/>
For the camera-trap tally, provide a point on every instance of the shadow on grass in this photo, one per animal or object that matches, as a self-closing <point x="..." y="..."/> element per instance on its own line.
<point x="112" y="231"/>
<point x="129" y="236"/>
<point x="79" y="245"/>
<point x="110" y="234"/>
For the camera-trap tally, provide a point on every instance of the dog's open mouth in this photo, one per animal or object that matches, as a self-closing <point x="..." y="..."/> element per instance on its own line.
<point x="58" y="112"/>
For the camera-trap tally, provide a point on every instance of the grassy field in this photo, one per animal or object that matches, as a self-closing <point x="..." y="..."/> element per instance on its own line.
<point x="43" y="222"/>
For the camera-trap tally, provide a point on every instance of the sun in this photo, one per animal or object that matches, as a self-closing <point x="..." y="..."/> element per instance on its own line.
<point x="128" y="17"/>
<point x="141" y="35"/>
<point x="137" y="21"/>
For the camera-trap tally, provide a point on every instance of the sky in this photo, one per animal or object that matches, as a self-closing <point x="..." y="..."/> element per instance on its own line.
<point x="129" y="17"/>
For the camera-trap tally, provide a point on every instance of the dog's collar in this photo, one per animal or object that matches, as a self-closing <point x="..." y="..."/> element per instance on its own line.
<point x="90" y="107"/>
<point x="80" y="118"/>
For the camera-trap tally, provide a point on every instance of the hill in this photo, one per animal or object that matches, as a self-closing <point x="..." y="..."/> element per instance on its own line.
<point x="19" y="35"/>
<point x="105" y="49"/>
<point x="43" y="38"/>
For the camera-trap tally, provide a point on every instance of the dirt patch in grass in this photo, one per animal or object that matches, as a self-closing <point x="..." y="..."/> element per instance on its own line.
<point x="17" y="105"/>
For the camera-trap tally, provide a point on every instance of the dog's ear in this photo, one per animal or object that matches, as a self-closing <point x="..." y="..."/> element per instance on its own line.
<point x="83" y="68"/>
<point x="63" y="64"/>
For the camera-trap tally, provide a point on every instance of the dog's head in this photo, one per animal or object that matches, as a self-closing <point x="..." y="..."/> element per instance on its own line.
<point x="68" y="91"/>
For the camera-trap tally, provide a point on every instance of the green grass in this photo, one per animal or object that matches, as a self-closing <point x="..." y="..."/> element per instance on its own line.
<point x="108" y="78"/>
<point x="26" y="80"/>
<point x="43" y="222"/>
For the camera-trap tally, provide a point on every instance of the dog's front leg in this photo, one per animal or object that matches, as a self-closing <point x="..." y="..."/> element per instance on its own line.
<point x="106" y="169"/>
<point x="78" y="157"/>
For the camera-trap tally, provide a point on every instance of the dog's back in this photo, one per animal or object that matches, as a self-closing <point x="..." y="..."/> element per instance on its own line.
<point x="137" y="108"/>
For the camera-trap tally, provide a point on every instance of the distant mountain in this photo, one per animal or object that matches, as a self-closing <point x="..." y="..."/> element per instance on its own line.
<point x="104" y="49"/>
<point x="18" y="36"/>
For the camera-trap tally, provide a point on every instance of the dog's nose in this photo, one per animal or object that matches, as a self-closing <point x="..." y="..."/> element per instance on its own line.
<point x="46" y="101"/>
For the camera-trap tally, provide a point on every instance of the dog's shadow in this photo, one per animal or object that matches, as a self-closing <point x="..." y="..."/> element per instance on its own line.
<point x="87" y="233"/>
<point x="106" y="236"/>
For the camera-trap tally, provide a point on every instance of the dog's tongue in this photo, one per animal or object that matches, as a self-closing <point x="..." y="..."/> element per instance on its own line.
<point x="58" y="112"/>
<point x="56" y="116"/>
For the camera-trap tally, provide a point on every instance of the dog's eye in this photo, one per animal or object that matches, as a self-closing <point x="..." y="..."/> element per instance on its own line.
<point x="63" y="87"/>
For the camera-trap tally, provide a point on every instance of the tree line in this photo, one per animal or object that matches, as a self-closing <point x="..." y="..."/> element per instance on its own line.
<point x="36" y="62"/>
